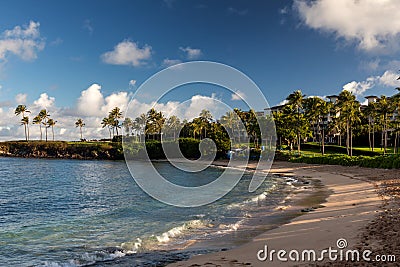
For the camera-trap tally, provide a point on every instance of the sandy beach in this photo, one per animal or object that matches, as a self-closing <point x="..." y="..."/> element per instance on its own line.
<point x="361" y="210"/>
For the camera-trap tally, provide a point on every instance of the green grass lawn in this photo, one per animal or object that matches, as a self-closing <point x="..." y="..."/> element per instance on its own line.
<point x="314" y="149"/>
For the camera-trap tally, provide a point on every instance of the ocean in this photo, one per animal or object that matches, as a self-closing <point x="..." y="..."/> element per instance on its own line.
<point x="82" y="213"/>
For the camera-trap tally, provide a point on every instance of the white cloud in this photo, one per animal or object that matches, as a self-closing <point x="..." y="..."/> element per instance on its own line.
<point x="371" y="24"/>
<point x="120" y="99"/>
<point x="170" y="62"/>
<point x="21" y="98"/>
<point x="32" y="30"/>
<point x="238" y="95"/>
<point x="199" y="102"/>
<point x="358" y="88"/>
<point x="128" y="53"/>
<point x="90" y="101"/>
<point x="387" y="79"/>
<point x="191" y="53"/>
<point x="23" y="42"/>
<point x="132" y="82"/>
<point x="44" y="101"/>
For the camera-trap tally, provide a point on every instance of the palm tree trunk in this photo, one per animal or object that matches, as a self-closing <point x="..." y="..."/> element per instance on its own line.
<point x="46" y="133"/>
<point x="52" y="131"/>
<point x="26" y="135"/>
<point x="369" y="134"/>
<point x="384" y="136"/>
<point x="351" y="142"/>
<point x="41" y="134"/>
<point x="323" y="141"/>
<point x="298" y="142"/>
<point x="80" y="129"/>
<point x="347" y="137"/>
<point x="373" y="136"/>
<point x="27" y="126"/>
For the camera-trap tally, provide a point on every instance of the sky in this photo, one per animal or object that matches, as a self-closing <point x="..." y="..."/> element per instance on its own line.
<point x="79" y="59"/>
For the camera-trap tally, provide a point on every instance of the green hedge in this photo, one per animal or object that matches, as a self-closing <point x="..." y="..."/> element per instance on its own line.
<point x="384" y="162"/>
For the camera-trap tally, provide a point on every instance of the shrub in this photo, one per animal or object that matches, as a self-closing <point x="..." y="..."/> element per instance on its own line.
<point x="385" y="162"/>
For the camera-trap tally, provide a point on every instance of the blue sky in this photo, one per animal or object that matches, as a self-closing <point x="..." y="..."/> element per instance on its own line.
<point x="51" y="53"/>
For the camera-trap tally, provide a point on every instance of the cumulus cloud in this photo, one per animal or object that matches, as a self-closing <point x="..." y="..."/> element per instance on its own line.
<point x="128" y="53"/>
<point x="44" y="101"/>
<point x="371" y="24"/>
<point x="91" y="101"/>
<point x="238" y="95"/>
<point x="21" y="98"/>
<point x="388" y="79"/>
<point x="23" y="42"/>
<point x="119" y="99"/>
<point x="191" y="53"/>
<point x="359" y="88"/>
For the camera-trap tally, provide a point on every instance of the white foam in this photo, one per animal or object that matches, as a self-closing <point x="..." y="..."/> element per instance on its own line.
<point x="177" y="231"/>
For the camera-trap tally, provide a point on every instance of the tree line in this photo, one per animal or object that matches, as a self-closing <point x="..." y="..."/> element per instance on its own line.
<point x="42" y="119"/>
<point x="301" y="119"/>
<point x="345" y="118"/>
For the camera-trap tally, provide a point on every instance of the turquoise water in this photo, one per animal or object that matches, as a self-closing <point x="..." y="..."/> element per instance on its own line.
<point x="77" y="213"/>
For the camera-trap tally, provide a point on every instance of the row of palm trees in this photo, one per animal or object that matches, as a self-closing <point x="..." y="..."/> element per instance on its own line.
<point x="313" y="117"/>
<point x="43" y="118"/>
<point x="112" y="121"/>
<point x="154" y="125"/>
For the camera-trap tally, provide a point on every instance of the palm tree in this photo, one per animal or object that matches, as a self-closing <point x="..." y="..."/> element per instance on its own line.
<point x="315" y="110"/>
<point x="115" y="114"/>
<point x="21" y="110"/>
<point x="51" y="123"/>
<point x="106" y="122"/>
<point x="79" y="123"/>
<point x="206" y="118"/>
<point x="349" y="110"/>
<point x="296" y="99"/>
<point x="371" y="112"/>
<point x="45" y="117"/>
<point x="140" y="125"/>
<point x="38" y="120"/>
<point x="229" y="121"/>
<point x="128" y="124"/>
<point x="154" y="123"/>
<point x="172" y="124"/>
<point x="25" y="122"/>
<point x="385" y="110"/>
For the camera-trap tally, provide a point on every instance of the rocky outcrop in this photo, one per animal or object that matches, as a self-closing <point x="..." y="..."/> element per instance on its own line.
<point x="61" y="149"/>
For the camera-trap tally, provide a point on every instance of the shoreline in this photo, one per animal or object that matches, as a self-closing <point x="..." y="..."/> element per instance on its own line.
<point x="352" y="204"/>
<point x="300" y="195"/>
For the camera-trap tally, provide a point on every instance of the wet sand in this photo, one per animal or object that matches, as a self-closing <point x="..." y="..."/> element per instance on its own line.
<point x="362" y="208"/>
